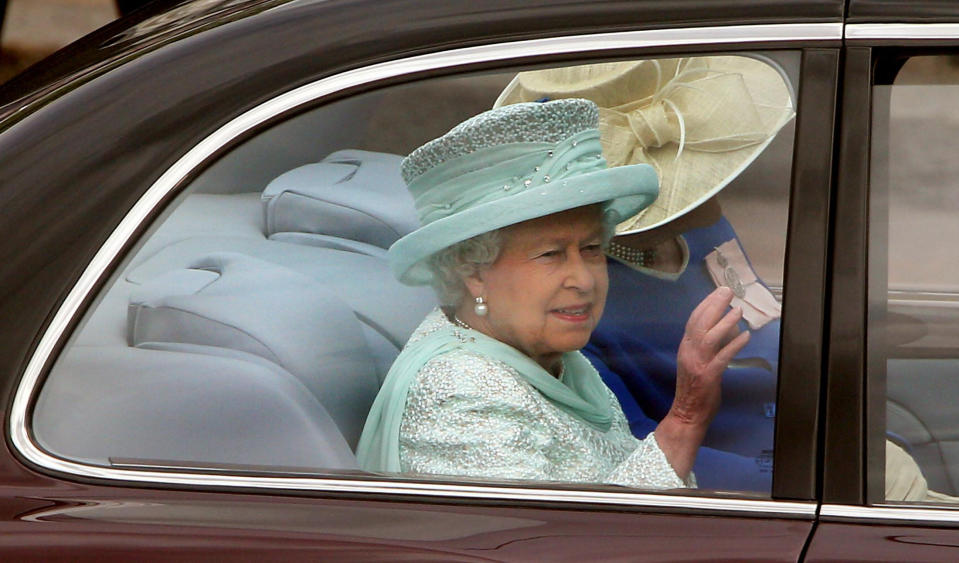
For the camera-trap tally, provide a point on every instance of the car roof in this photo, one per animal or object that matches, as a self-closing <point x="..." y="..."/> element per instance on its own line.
<point x="165" y="23"/>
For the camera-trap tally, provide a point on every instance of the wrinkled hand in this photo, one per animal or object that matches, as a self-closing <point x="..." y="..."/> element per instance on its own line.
<point x="711" y="341"/>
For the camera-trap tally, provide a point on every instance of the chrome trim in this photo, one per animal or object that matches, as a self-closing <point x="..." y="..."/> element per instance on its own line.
<point x="896" y="31"/>
<point x="200" y="153"/>
<point x="904" y="513"/>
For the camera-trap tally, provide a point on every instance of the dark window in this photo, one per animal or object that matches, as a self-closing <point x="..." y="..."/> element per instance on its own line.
<point x="914" y="274"/>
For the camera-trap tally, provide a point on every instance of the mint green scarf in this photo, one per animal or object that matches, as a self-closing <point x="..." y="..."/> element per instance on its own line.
<point x="581" y="392"/>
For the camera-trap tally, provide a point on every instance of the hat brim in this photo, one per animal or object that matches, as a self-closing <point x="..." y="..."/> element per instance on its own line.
<point x="625" y="190"/>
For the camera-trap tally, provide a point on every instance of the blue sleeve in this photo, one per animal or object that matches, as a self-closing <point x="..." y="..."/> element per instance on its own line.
<point x="716" y="469"/>
<point x="640" y="424"/>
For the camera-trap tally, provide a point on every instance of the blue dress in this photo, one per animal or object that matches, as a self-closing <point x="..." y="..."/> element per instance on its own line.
<point x="634" y="349"/>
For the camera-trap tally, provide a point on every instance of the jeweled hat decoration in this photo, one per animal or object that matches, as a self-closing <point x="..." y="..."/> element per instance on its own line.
<point x="510" y="165"/>
<point x="698" y="121"/>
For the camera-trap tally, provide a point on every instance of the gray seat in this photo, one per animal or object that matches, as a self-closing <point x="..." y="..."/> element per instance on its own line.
<point x="249" y="329"/>
<point x="352" y="200"/>
<point x="117" y="405"/>
<point x="238" y="303"/>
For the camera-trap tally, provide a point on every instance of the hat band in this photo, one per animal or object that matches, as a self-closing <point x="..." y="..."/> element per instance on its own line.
<point x="498" y="172"/>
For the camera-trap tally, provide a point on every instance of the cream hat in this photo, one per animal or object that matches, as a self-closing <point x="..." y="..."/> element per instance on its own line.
<point x="698" y="121"/>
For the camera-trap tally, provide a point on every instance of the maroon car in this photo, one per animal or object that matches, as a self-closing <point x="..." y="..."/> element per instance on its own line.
<point x="196" y="309"/>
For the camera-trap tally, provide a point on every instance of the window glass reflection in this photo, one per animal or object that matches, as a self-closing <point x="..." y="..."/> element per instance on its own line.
<point x="257" y="324"/>
<point x="914" y="279"/>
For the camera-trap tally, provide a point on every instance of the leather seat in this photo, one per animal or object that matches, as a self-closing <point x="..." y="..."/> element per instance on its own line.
<point x="249" y="329"/>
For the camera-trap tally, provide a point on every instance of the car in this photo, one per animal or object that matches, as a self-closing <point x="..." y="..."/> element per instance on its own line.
<point x="197" y="309"/>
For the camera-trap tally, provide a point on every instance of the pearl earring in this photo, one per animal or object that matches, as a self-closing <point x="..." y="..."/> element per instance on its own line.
<point x="480" y="308"/>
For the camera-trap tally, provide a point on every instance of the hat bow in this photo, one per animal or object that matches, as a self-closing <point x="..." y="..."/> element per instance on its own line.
<point x="696" y="109"/>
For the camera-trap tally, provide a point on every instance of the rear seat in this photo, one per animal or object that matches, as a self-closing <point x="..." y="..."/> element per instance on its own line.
<point x="238" y="303"/>
<point x="113" y="405"/>
<point x="247" y="330"/>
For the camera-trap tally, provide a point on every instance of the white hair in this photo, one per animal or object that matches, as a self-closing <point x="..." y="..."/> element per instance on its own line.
<point x="461" y="260"/>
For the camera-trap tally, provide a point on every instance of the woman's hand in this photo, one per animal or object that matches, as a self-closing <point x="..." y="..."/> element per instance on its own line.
<point x="711" y="341"/>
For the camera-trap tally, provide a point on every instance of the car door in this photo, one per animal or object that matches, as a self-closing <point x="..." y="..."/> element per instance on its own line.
<point x="235" y="436"/>
<point x="889" y="473"/>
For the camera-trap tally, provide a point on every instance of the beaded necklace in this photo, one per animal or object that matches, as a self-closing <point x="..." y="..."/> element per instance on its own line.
<point x="644" y="258"/>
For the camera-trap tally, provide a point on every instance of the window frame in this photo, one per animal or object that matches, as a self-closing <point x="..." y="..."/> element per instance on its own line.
<point x="854" y="459"/>
<point x="639" y="43"/>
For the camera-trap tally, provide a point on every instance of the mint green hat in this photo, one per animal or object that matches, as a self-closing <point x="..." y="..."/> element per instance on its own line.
<point x="510" y="165"/>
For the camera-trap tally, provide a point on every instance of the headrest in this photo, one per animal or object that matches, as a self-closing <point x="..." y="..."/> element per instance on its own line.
<point x="351" y="194"/>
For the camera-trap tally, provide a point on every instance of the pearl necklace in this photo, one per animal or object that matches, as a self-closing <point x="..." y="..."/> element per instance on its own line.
<point x="460" y="323"/>
<point x="639" y="257"/>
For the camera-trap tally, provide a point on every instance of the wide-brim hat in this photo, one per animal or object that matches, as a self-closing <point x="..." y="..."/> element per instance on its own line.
<point x="510" y="165"/>
<point x="698" y="121"/>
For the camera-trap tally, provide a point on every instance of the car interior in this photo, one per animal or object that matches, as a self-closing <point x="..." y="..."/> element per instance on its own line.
<point x="253" y="324"/>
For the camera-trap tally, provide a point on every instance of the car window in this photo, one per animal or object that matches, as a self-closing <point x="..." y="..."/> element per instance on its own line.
<point x="913" y="341"/>
<point x="253" y="325"/>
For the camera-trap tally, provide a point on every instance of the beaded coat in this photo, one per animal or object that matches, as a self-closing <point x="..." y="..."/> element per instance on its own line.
<point x="474" y="416"/>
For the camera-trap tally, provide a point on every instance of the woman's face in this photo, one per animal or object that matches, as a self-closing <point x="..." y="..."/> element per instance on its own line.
<point x="547" y="288"/>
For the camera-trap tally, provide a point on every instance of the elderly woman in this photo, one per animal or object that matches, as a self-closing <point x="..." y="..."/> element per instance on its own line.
<point x="516" y="205"/>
